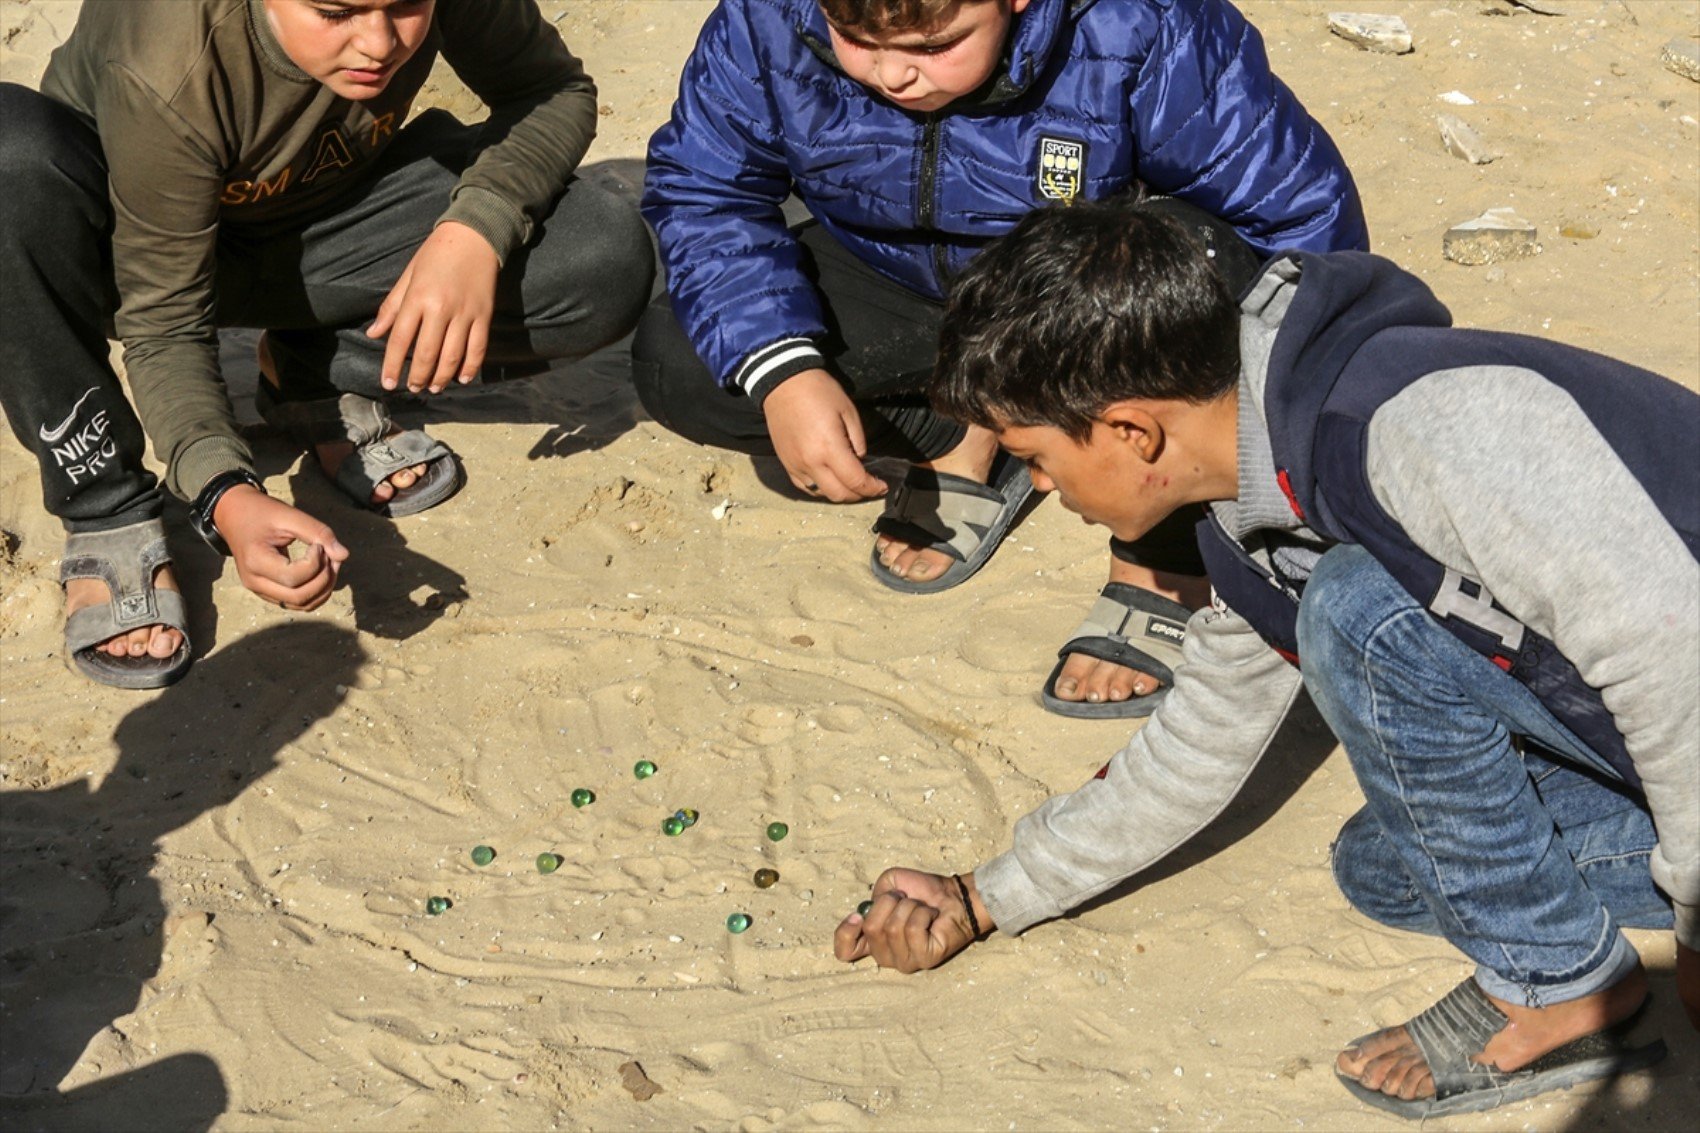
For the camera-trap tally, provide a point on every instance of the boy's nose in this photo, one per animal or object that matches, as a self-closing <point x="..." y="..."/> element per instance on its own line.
<point x="894" y="71"/>
<point x="1041" y="482"/>
<point x="376" y="37"/>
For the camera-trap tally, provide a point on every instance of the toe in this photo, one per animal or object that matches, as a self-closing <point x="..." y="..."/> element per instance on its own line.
<point x="924" y="565"/>
<point x="165" y="642"/>
<point x="1076" y="668"/>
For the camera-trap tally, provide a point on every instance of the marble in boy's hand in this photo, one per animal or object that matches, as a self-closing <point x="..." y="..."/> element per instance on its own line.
<point x="259" y="531"/>
<point x="817" y="435"/>
<point x="917" y="921"/>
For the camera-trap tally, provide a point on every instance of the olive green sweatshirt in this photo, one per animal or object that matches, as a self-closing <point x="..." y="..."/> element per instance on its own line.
<point x="205" y="122"/>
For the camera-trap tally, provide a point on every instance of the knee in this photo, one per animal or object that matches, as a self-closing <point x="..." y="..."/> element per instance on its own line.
<point x="1371" y="878"/>
<point x="42" y="168"/>
<point x="617" y="261"/>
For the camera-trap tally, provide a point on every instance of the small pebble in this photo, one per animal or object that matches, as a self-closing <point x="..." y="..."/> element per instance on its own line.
<point x="687" y="815"/>
<point x="766" y="878"/>
<point x="643" y="769"/>
<point x="584" y="796"/>
<point x="865" y="908"/>
<point x="672" y="826"/>
<point x="777" y="831"/>
<point x="483" y="855"/>
<point x="738" y="922"/>
<point x="437" y="906"/>
<point x="548" y="862"/>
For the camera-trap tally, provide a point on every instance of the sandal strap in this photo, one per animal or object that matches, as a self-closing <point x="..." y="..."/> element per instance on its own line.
<point x="124" y="558"/>
<point x="373" y="462"/>
<point x="1449" y="1033"/>
<point x="953" y="511"/>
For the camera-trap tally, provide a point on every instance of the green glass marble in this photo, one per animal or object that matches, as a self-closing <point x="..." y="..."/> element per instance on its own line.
<point x="865" y="908"/>
<point x="643" y="769"/>
<point x="548" y="862"/>
<point x="766" y="878"/>
<point x="776" y="831"/>
<point x="738" y="922"/>
<point x="687" y="815"/>
<point x="584" y="796"/>
<point x="483" y="855"/>
<point x="672" y="826"/>
<point x="437" y="906"/>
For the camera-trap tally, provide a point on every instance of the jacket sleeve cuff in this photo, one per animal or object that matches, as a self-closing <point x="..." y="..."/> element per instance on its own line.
<point x="763" y="370"/>
<point x="201" y="460"/>
<point x="492" y="217"/>
<point x="1687" y="925"/>
<point x="1016" y="904"/>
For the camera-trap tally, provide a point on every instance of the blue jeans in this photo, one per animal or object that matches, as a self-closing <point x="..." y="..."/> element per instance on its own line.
<point x="1527" y="862"/>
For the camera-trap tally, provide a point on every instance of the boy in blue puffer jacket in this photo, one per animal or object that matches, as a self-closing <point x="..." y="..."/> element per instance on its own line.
<point x="916" y="132"/>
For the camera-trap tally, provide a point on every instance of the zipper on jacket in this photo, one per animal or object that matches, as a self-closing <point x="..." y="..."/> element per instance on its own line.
<point x="929" y="185"/>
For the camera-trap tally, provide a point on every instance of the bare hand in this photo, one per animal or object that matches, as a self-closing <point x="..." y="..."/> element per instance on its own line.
<point x="259" y="531"/>
<point x="440" y="309"/>
<point x="1688" y="982"/>
<point x="918" y="921"/>
<point x="817" y="434"/>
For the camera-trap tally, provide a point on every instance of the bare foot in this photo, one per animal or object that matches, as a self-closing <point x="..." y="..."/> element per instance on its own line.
<point x="151" y="641"/>
<point x="971" y="459"/>
<point x="1094" y="681"/>
<point x="332" y="454"/>
<point x="1390" y="1062"/>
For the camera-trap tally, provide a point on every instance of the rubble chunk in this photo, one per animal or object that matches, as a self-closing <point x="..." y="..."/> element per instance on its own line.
<point x="1387" y="34"/>
<point x="1497" y="234"/>
<point x="1461" y="140"/>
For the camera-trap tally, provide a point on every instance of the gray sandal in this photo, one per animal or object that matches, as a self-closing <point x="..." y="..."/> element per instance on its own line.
<point x="1123" y="615"/>
<point x="363" y="422"/>
<point x="1461" y="1024"/>
<point x="125" y="558"/>
<point x="953" y="515"/>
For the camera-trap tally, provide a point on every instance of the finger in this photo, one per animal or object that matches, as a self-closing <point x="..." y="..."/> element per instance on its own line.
<point x="477" y="344"/>
<point x="846" y="468"/>
<point x="895" y="941"/>
<point x="401" y="341"/>
<point x="387" y="309"/>
<point x="848" y="943"/>
<point x="449" y="362"/>
<point x="427" y="345"/>
<point x="918" y="937"/>
<point x="853" y="432"/>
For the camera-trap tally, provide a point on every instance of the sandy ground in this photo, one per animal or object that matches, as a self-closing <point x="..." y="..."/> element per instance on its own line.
<point x="213" y="895"/>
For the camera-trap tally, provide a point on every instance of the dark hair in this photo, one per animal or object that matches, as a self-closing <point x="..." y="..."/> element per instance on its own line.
<point x="889" y="15"/>
<point x="1079" y="307"/>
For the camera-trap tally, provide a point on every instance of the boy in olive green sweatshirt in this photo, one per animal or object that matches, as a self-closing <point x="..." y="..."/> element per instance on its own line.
<point x="208" y="163"/>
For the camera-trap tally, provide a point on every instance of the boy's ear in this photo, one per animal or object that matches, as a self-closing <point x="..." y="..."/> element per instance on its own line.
<point x="1133" y="424"/>
<point x="1016" y="7"/>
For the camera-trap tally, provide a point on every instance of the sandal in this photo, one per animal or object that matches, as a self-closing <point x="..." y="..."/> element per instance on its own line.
<point x="1461" y="1024"/>
<point x="1123" y="615"/>
<point x="125" y="558"/>
<point x="378" y="454"/>
<point x="953" y="515"/>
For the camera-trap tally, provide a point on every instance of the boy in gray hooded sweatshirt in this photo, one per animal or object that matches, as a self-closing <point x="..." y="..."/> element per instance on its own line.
<point x="1509" y="659"/>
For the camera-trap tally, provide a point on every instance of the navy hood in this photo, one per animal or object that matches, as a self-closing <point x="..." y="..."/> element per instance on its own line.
<point x="1341" y="301"/>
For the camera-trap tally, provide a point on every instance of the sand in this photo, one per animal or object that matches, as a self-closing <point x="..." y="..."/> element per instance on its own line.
<point x="213" y="895"/>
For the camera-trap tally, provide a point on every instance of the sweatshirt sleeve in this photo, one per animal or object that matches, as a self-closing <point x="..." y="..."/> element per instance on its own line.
<point x="164" y="183"/>
<point x="1230" y="694"/>
<point x="542" y="116"/>
<point x="1215" y="127"/>
<point x="717" y="178"/>
<point x="1579" y="553"/>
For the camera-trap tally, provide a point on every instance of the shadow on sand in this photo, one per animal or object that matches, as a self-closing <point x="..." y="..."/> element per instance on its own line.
<point x="82" y="921"/>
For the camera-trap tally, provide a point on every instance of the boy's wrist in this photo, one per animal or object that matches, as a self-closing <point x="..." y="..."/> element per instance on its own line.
<point x="766" y="369"/>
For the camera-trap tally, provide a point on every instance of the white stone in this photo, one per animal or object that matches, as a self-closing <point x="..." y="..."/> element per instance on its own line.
<point x="1682" y="55"/>
<point x="1461" y="140"/>
<point x="1498" y="234"/>
<point x="1457" y="98"/>
<point x="1387" y="34"/>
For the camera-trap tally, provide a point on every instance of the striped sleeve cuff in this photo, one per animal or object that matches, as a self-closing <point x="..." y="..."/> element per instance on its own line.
<point x="767" y="367"/>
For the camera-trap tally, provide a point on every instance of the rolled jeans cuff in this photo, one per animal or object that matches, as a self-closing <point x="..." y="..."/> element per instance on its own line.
<point x="1620" y="959"/>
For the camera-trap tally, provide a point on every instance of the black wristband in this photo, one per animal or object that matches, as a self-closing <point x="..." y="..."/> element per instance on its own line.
<point x="968" y="904"/>
<point x="201" y="511"/>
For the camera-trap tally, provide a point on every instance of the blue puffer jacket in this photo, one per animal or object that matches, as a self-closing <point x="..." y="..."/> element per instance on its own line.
<point x="1175" y="94"/>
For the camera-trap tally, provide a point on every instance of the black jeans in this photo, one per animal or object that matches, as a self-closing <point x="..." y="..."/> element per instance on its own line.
<point x="882" y="341"/>
<point x="315" y="284"/>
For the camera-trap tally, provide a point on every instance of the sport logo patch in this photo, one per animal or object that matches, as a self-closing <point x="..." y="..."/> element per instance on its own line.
<point x="1162" y="627"/>
<point x="1062" y="168"/>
